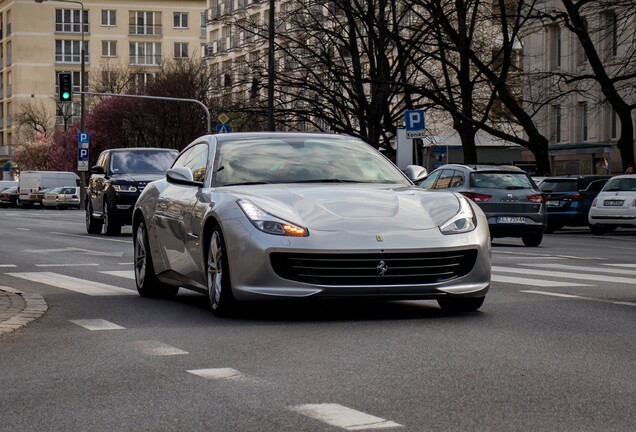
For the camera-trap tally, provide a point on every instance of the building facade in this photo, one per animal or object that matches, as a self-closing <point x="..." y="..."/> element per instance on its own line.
<point x="40" y="39"/>
<point x="573" y="114"/>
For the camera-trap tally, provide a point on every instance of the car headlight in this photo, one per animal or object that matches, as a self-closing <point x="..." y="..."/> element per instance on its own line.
<point x="463" y="221"/>
<point x="270" y="224"/>
<point x="124" y="188"/>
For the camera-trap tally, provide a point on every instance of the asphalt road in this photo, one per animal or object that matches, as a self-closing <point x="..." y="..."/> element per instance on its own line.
<point x="552" y="349"/>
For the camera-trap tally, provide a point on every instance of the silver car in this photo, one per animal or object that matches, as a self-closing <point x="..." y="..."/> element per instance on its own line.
<point x="263" y="216"/>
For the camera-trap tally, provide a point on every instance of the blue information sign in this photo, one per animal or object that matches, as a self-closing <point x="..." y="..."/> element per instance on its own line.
<point x="223" y="128"/>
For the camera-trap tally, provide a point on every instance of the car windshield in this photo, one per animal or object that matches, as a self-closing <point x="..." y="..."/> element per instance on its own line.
<point x="54" y="190"/>
<point x="559" y="186"/>
<point x="142" y="161"/>
<point x="501" y="180"/>
<point x="620" y="184"/>
<point x="301" y="159"/>
<point x="67" y="190"/>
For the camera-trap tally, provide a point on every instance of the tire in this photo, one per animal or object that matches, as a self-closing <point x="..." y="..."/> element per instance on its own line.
<point x="532" y="240"/>
<point x="460" y="304"/>
<point x="220" y="295"/>
<point x="598" y="229"/>
<point x="145" y="278"/>
<point x="93" y="226"/>
<point x="111" y="226"/>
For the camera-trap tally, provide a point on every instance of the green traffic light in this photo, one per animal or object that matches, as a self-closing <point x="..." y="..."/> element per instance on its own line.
<point x="66" y="95"/>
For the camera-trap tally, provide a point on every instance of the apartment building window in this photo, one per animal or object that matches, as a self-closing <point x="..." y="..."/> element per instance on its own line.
<point x="227" y="73"/>
<point x="581" y="56"/>
<point x="69" y="51"/>
<point x="1" y="30"/>
<point x="180" y="20"/>
<point x="8" y="23"/>
<point x="9" y="116"/>
<point x="71" y="20"/>
<point x="611" y="24"/>
<point x="556" y="123"/>
<point x="180" y="50"/>
<point x="77" y="81"/>
<point x="109" y="79"/>
<point x="9" y="83"/>
<point x="582" y="120"/>
<point x="613" y="123"/>
<point x="554" y="46"/>
<point x="145" y="53"/>
<point x="144" y="23"/>
<point x="109" y="48"/>
<point x="204" y="26"/>
<point x="9" y="53"/>
<point x="141" y="80"/>
<point x="109" y="18"/>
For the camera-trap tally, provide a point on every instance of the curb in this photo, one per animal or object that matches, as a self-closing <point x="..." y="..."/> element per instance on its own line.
<point x="22" y="309"/>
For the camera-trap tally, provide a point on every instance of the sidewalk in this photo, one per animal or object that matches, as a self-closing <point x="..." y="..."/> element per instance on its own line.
<point x="17" y="309"/>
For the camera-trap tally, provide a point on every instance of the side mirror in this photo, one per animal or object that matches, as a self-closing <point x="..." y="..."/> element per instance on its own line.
<point x="181" y="175"/>
<point x="98" y="169"/>
<point x="415" y="173"/>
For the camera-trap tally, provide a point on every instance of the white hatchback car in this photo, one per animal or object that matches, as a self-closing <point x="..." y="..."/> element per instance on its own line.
<point x="615" y="205"/>
<point x="62" y="197"/>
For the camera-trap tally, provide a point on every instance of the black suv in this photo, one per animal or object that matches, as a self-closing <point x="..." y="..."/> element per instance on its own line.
<point x="510" y="199"/>
<point x="117" y="181"/>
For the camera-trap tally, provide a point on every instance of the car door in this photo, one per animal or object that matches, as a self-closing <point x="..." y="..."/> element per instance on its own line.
<point x="178" y="217"/>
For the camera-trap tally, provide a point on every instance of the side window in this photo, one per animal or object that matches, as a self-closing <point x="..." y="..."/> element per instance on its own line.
<point x="444" y="179"/>
<point x="457" y="180"/>
<point x="196" y="158"/>
<point x="429" y="181"/>
<point x="596" y="185"/>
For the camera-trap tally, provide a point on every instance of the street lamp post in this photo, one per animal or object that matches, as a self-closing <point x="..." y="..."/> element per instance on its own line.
<point x="82" y="92"/>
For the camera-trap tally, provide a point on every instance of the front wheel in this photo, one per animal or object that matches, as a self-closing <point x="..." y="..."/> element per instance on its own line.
<point x="460" y="304"/>
<point x="93" y="225"/>
<point x="598" y="229"/>
<point x="111" y="225"/>
<point x="218" y="276"/>
<point x="532" y="240"/>
<point x="145" y="278"/>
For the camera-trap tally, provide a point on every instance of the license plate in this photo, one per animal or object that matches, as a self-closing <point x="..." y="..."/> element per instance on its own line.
<point x="511" y="219"/>
<point x="552" y="203"/>
<point x="614" y="203"/>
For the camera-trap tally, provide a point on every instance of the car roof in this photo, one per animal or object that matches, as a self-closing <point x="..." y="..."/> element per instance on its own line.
<point x="481" y="167"/>
<point x="138" y="149"/>
<point x="264" y="135"/>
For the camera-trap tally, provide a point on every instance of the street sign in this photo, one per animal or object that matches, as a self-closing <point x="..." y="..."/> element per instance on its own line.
<point x="223" y="128"/>
<point x="82" y="159"/>
<point x="83" y="138"/>
<point x="223" y="118"/>
<point x="415" y="123"/>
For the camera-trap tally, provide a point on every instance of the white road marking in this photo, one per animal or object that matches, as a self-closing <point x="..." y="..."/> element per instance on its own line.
<point x="79" y="251"/>
<point x="218" y="374"/>
<point x="533" y="282"/>
<point x="128" y="274"/>
<point x="587" y="277"/>
<point x="23" y="229"/>
<point x="622" y="265"/>
<point x="622" y="303"/>
<point x="159" y="348"/>
<point x="343" y="417"/>
<point x="545" y="255"/>
<point x="126" y="263"/>
<point x="66" y="265"/>
<point x="8" y="265"/>
<point x="97" y="324"/>
<point x="598" y="269"/>
<point x="73" y="284"/>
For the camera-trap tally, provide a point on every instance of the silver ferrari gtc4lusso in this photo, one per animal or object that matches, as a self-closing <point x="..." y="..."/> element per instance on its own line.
<point x="268" y="215"/>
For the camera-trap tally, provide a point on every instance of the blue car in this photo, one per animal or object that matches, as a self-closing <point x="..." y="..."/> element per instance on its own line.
<point x="568" y="199"/>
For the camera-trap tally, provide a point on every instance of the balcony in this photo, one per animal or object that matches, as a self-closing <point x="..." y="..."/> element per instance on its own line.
<point x="145" y="60"/>
<point x="145" y="30"/>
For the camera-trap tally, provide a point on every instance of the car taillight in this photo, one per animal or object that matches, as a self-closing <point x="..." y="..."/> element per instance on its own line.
<point x="594" y="203"/>
<point x="633" y="203"/>
<point x="75" y="197"/>
<point x="477" y="197"/>
<point x="537" y="198"/>
<point x="575" y="197"/>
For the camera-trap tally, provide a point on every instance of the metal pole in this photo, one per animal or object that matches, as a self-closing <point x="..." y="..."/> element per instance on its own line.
<point x="82" y="109"/>
<point x="270" y="70"/>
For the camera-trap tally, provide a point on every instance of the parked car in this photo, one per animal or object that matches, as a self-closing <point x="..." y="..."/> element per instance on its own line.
<point x="33" y="183"/>
<point x="568" y="199"/>
<point x="615" y="205"/>
<point x="509" y="198"/>
<point x="266" y="216"/>
<point x="62" y="197"/>
<point x="116" y="182"/>
<point x="9" y="197"/>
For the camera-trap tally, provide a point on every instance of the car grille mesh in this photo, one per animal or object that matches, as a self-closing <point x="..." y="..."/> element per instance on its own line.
<point x="356" y="269"/>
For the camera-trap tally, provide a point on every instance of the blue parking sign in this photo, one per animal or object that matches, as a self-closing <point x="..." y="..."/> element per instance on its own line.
<point x="82" y="154"/>
<point x="83" y="137"/>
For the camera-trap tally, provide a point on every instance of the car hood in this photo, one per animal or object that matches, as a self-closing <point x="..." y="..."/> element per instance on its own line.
<point x="354" y="206"/>
<point x="141" y="177"/>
